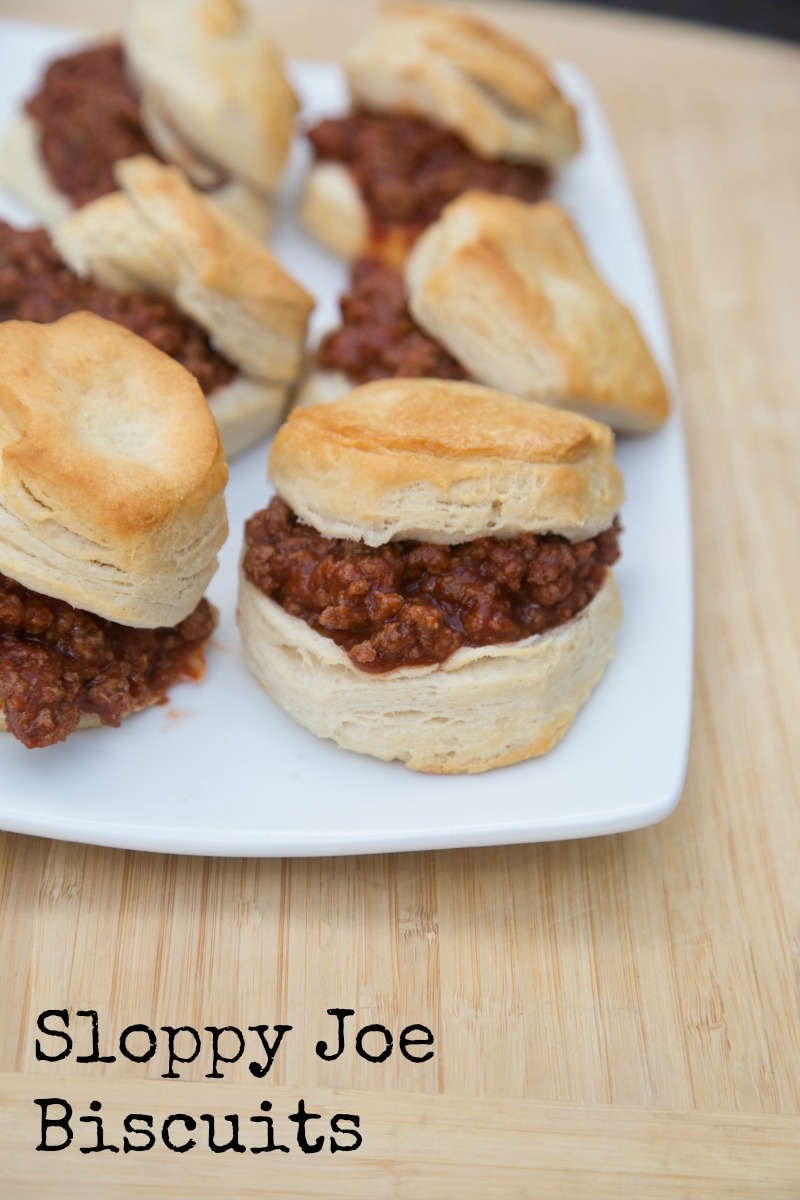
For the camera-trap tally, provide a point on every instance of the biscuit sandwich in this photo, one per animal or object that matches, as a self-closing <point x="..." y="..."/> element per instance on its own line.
<point x="112" y="512"/>
<point x="193" y="82"/>
<point x="157" y="257"/>
<point x="441" y="103"/>
<point x="432" y="581"/>
<point x="502" y="293"/>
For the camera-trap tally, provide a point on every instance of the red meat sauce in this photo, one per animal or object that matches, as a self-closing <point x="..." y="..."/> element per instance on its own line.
<point x="415" y="603"/>
<point x="59" y="663"/>
<point x="88" y="115"/>
<point x="408" y="169"/>
<point x="36" y="285"/>
<point x="379" y="338"/>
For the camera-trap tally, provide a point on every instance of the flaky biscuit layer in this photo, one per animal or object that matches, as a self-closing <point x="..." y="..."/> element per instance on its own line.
<point x="444" y="462"/>
<point x="159" y="234"/>
<point x="112" y="474"/>
<point x="206" y="68"/>
<point x="510" y="291"/>
<point x="461" y="73"/>
<point x="483" y="707"/>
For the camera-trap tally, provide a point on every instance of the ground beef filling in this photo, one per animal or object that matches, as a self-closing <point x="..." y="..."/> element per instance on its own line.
<point x="89" y="118"/>
<point x="58" y="663"/>
<point x="36" y="285"/>
<point x="379" y="338"/>
<point x="408" y="169"/>
<point x="415" y="603"/>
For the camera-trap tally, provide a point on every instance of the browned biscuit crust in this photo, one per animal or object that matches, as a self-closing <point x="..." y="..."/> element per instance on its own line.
<point x="461" y="73"/>
<point x="509" y="289"/>
<point x="444" y="462"/>
<point x="206" y="70"/>
<point x="111" y="471"/>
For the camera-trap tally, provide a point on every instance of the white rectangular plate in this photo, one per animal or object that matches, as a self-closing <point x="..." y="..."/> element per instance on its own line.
<point x="222" y="770"/>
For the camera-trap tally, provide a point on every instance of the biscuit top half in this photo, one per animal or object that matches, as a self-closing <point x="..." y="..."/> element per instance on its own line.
<point x="111" y="471"/>
<point x="159" y="234"/>
<point x="458" y="72"/>
<point x="445" y="462"/>
<point x="207" y="72"/>
<point x="510" y="290"/>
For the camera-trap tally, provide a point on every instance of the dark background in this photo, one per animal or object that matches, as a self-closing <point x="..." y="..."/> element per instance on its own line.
<point x="773" y="18"/>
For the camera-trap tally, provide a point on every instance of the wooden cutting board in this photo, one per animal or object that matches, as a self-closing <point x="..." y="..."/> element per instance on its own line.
<point x="615" y="1017"/>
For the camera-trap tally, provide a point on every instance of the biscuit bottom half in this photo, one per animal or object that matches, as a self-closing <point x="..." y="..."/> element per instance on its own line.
<point x="483" y="707"/>
<point x="62" y="669"/>
<point x="379" y="180"/>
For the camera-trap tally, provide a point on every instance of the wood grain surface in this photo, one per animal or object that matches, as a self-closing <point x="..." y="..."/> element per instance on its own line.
<point x="615" y="1017"/>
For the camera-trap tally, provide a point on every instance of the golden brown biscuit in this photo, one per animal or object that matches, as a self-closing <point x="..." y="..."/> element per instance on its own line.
<point x="212" y="98"/>
<point x="215" y="82"/>
<point x="418" y="460"/>
<point x="491" y="100"/>
<point x="159" y="235"/>
<point x="111" y="472"/>
<point x="510" y="291"/>
<point x="458" y="72"/>
<point x="444" y="462"/>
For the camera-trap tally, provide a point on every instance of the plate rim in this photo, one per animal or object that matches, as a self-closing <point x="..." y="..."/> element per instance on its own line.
<point x="201" y="840"/>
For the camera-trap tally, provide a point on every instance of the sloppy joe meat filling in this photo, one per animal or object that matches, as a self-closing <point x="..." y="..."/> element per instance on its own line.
<point x="416" y="603"/>
<point x="36" y="285"/>
<point x="58" y="663"/>
<point x="407" y="169"/>
<point x="379" y="338"/>
<point x="88" y="115"/>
